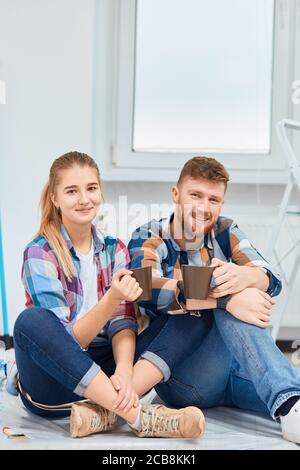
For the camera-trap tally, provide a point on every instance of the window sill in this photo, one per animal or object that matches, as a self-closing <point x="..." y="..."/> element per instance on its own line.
<point x="171" y="175"/>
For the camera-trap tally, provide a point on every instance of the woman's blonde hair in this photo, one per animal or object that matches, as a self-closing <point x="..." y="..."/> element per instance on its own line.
<point x="51" y="219"/>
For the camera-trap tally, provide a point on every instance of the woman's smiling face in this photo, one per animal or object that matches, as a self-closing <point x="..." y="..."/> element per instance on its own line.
<point x="78" y="194"/>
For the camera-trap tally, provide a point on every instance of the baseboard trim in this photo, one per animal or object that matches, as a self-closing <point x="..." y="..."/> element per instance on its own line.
<point x="285" y="345"/>
<point x="8" y="341"/>
<point x="288" y="338"/>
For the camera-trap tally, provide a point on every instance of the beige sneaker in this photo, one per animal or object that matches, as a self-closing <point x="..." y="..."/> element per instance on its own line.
<point x="160" y="421"/>
<point x="89" y="418"/>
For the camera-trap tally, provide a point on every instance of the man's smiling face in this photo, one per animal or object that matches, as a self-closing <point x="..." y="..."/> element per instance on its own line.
<point x="198" y="203"/>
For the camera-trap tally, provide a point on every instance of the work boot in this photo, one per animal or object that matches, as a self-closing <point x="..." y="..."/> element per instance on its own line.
<point x="160" y="421"/>
<point x="89" y="418"/>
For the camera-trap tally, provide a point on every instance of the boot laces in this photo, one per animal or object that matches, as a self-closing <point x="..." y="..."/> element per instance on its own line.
<point x="154" y="423"/>
<point x="99" y="421"/>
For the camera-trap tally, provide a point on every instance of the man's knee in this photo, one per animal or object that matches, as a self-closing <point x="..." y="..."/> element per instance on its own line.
<point x="226" y="319"/>
<point x="222" y="315"/>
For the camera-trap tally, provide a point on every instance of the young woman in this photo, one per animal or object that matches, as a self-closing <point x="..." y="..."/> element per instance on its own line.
<point x="75" y="343"/>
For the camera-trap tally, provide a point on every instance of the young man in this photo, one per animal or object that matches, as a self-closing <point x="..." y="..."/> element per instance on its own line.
<point x="237" y="363"/>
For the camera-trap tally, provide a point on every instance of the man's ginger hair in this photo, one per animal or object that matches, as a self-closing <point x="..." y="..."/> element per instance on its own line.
<point x="204" y="167"/>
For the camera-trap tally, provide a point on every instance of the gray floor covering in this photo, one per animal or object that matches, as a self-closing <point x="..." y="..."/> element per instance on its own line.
<point x="226" y="428"/>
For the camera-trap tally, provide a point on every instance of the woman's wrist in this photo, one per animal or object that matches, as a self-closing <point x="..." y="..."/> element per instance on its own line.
<point x="111" y="296"/>
<point x="125" y="367"/>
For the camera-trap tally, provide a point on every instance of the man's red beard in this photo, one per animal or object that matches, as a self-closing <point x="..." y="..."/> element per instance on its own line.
<point x="193" y="231"/>
<point x="187" y="227"/>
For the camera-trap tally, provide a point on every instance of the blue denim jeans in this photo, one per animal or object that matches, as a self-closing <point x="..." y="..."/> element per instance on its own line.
<point x="238" y="365"/>
<point x="54" y="370"/>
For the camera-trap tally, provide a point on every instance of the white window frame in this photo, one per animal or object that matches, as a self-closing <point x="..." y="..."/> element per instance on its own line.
<point x="163" y="166"/>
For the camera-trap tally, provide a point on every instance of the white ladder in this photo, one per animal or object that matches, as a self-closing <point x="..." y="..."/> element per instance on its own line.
<point x="294" y="179"/>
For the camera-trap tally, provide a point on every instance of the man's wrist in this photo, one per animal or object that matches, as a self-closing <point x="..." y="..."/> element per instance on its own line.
<point x="179" y="296"/>
<point x="258" y="277"/>
<point x="222" y="302"/>
<point x="251" y="275"/>
<point x="180" y="286"/>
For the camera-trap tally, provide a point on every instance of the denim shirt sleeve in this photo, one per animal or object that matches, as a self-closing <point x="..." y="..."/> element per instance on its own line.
<point x="244" y="253"/>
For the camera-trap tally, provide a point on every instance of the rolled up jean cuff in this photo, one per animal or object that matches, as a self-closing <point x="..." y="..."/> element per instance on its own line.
<point x="87" y="379"/>
<point x="158" y="362"/>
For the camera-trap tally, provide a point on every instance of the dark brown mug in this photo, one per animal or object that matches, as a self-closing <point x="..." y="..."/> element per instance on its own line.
<point x="144" y="278"/>
<point x="196" y="281"/>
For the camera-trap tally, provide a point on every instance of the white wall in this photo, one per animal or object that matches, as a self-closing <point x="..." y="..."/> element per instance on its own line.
<point x="57" y="60"/>
<point x="46" y="59"/>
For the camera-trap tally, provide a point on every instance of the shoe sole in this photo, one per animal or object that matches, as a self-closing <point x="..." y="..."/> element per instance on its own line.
<point x="201" y="422"/>
<point x="75" y="421"/>
<point x="291" y="437"/>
